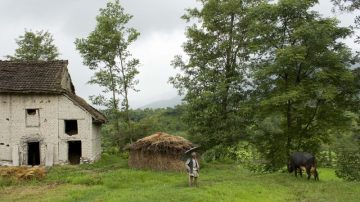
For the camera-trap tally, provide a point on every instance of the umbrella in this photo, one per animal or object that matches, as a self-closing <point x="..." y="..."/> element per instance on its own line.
<point x="192" y="150"/>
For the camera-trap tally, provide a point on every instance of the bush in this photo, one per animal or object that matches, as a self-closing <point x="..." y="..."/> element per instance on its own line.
<point x="111" y="150"/>
<point x="249" y="157"/>
<point x="220" y="153"/>
<point x="124" y="155"/>
<point x="348" y="165"/>
<point x="244" y="153"/>
<point x="327" y="159"/>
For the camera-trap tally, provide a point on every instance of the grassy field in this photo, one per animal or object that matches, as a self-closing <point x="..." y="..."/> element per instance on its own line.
<point x="111" y="180"/>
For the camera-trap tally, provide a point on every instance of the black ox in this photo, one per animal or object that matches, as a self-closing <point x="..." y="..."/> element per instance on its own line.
<point x="300" y="161"/>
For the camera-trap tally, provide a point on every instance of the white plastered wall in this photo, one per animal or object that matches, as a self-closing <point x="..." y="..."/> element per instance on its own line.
<point x="53" y="110"/>
<point x="5" y="149"/>
<point x="96" y="141"/>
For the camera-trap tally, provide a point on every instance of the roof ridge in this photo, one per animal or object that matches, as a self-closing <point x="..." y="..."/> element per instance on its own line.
<point x="34" y="61"/>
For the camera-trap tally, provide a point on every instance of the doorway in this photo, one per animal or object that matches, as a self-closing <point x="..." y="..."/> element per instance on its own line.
<point x="74" y="152"/>
<point x="33" y="153"/>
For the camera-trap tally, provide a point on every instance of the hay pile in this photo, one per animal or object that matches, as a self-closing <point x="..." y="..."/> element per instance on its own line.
<point x="23" y="173"/>
<point x="159" y="151"/>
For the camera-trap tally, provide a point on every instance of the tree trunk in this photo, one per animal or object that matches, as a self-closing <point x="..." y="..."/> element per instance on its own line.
<point x="115" y="108"/>
<point x="228" y="69"/>
<point x="126" y="99"/>
<point x="288" y="120"/>
<point x="127" y="115"/>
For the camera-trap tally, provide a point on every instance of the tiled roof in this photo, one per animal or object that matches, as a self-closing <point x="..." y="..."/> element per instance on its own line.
<point x="40" y="78"/>
<point x="31" y="77"/>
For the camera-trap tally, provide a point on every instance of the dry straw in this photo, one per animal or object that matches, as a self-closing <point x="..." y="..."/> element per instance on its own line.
<point x="159" y="151"/>
<point x="23" y="173"/>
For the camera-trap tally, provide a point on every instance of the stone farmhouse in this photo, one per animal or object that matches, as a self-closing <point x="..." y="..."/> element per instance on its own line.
<point x="42" y="120"/>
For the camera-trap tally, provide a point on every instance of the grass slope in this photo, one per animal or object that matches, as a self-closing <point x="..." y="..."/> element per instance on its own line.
<point x="111" y="180"/>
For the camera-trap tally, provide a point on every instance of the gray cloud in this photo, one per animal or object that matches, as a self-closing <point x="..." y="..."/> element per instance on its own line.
<point x="78" y="16"/>
<point x="162" y="33"/>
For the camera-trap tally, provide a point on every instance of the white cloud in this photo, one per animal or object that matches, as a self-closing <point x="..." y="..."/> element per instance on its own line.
<point x="156" y="52"/>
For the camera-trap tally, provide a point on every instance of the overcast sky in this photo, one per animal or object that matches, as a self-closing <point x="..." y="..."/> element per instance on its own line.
<point x="162" y="34"/>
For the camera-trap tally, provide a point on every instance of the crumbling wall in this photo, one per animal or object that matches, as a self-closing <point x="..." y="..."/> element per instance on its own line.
<point x="68" y="110"/>
<point x="23" y="147"/>
<point x="96" y="141"/>
<point x="5" y="149"/>
<point x="50" y="132"/>
<point x="45" y="132"/>
<point x="66" y="81"/>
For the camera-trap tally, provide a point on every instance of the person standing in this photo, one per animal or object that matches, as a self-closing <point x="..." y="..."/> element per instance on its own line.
<point x="193" y="167"/>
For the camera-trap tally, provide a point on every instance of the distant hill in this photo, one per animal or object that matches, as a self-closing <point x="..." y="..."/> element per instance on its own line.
<point x="163" y="103"/>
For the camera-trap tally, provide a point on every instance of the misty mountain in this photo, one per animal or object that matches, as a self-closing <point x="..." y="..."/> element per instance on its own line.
<point x="163" y="103"/>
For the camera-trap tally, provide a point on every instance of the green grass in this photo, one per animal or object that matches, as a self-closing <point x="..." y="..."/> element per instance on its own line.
<point x="111" y="180"/>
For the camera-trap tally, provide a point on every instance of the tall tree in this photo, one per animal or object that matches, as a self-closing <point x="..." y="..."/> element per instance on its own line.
<point x="35" y="46"/>
<point x="106" y="51"/>
<point x="213" y="78"/>
<point x="303" y="82"/>
<point x="348" y="153"/>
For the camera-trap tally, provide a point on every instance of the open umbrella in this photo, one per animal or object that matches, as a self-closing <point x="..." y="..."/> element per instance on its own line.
<point x="192" y="150"/>
<point x="187" y="153"/>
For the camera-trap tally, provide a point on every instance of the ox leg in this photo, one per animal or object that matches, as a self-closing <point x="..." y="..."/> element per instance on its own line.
<point x="316" y="175"/>
<point x="308" y="172"/>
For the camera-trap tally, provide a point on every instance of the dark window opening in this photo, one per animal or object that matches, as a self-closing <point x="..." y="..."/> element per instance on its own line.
<point x="71" y="127"/>
<point x="32" y="118"/>
<point x="33" y="153"/>
<point x="31" y="112"/>
<point x="74" y="152"/>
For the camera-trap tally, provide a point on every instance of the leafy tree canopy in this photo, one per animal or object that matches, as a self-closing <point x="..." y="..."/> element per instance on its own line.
<point x="35" y="46"/>
<point x="303" y="83"/>
<point x="214" y="77"/>
<point x="106" y="51"/>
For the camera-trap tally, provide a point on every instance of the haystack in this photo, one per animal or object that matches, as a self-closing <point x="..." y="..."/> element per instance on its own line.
<point x="23" y="173"/>
<point x="159" y="151"/>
